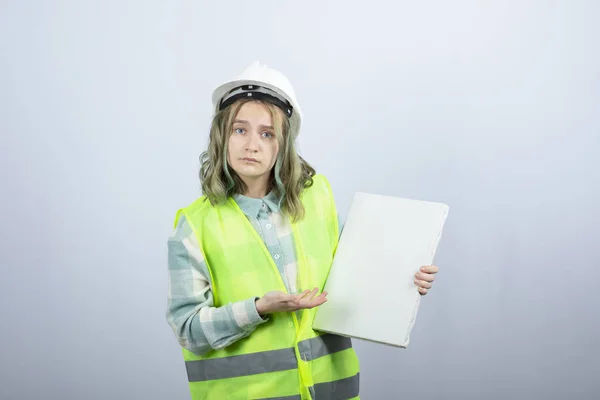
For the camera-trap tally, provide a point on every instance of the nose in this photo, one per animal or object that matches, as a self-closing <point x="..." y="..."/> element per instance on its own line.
<point x="252" y="143"/>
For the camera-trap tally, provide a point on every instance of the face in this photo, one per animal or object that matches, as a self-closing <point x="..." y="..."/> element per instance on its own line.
<point x="253" y="146"/>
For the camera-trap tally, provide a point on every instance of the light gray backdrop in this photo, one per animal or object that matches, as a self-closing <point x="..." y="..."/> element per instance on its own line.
<point x="492" y="107"/>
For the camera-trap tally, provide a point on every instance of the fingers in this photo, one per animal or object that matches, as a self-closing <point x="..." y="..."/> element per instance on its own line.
<point x="276" y="301"/>
<point x="429" y="269"/>
<point x="423" y="284"/>
<point x="320" y="298"/>
<point x="424" y="277"/>
<point x="307" y="298"/>
<point x="286" y="298"/>
<point x="307" y="294"/>
<point x="289" y="302"/>
<point x="293" y="302"/>
<point x="317" y="301"/>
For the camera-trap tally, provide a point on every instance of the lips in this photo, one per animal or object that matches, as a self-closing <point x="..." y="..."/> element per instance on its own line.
<point x="249" y="159"/>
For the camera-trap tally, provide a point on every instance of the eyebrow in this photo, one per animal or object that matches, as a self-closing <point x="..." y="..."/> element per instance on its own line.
<point x="243" y="121"/>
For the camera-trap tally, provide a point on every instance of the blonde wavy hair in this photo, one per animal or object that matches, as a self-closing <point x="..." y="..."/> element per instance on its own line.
<point x="289" y="177"/>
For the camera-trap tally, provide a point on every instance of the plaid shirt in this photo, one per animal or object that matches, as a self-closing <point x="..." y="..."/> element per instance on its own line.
<point x="200" y="327"/>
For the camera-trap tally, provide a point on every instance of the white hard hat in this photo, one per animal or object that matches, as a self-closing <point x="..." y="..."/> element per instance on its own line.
<point x="261" y="82"/>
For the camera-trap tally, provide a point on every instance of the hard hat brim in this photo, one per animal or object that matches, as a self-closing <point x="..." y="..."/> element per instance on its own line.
<point x="225" y="88"/>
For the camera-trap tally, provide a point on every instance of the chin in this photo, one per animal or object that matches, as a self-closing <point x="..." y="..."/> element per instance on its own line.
<point x="249" y="171"/>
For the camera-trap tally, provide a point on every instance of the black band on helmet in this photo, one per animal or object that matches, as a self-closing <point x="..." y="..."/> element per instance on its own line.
<point x="258" y="93"/>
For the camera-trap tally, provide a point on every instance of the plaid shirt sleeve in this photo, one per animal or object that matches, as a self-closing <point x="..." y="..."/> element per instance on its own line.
<point x="198" y="326"/>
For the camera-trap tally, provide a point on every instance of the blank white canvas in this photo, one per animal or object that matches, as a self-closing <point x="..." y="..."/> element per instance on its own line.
<point x="384" y="242"/>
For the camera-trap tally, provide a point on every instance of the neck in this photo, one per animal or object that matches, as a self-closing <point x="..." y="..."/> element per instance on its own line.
<point x="256" y="189"/>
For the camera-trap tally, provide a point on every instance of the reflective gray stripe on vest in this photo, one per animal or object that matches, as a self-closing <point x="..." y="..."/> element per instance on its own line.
<point x="242" y="365"/>
<point x="323" y="345"/>
<point x="346" y="388"/>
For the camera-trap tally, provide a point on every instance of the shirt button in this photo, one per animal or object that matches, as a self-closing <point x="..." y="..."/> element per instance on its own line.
<point x="277" y="256"/>
<point x="268" y="226"/>
<point x="264" y="205"/>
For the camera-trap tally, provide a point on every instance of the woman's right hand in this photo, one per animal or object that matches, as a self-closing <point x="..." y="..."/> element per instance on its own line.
<point x="273" y="302"/>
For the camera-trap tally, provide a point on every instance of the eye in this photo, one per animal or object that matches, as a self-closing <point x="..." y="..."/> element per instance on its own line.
<point x="267" y="134"/>
<point x="239" y="131"/>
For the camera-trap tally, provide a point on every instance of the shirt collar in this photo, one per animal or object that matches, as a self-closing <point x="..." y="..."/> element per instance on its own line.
<point x="252" y="206"/>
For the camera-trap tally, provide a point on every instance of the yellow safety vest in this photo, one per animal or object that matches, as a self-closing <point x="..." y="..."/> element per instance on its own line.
<point x="283" y="358"/>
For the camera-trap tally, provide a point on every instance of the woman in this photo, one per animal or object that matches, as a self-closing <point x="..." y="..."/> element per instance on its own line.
<point x="247" y="260"/>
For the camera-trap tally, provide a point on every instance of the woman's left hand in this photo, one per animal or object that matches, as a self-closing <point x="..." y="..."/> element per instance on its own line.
<point x="425" y="277"/>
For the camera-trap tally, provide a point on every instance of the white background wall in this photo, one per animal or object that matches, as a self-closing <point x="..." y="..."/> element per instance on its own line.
<point x="492" y="107"/>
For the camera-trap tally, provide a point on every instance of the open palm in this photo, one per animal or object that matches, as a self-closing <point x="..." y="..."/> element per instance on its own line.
<point x="277" y="301"/>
